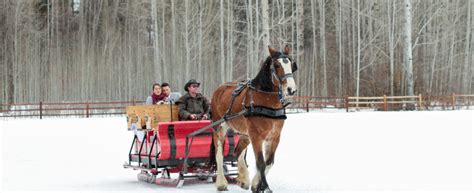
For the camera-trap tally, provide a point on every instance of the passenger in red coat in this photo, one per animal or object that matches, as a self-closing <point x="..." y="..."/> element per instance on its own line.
<point x="157" y="97"/>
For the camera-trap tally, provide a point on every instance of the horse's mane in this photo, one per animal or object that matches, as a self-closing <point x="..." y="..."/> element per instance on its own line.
<point x="263" y="80"/>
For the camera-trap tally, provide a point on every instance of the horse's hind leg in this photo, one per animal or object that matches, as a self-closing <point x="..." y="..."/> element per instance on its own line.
<point x="219" y="137"/>
<point x="240" y="152"/>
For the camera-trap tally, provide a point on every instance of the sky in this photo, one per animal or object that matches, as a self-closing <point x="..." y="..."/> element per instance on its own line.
<point x="423" y="151"/>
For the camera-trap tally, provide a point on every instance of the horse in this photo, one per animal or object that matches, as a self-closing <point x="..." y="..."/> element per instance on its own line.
<point x="256" y="111"/>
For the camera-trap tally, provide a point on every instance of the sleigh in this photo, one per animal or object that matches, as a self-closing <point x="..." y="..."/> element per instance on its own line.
<point x="169" y="152"/>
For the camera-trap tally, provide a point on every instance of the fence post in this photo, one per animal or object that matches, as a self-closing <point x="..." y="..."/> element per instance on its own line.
<point x="346" y="102"/>
<point x="420" y="101"/>
<point x="133" y="102"/>
<point x="41" y="110"/>
<point x="385" y="102"/>
<point x="454" y="101"/>
<point x="307" y="104"/>
<point x="87" y="109"/>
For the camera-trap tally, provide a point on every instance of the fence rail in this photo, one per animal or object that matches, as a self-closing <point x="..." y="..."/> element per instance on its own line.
<point x="298" y="103"/>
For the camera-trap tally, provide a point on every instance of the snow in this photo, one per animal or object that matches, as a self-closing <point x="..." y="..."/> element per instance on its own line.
<point x="318" y="152"/>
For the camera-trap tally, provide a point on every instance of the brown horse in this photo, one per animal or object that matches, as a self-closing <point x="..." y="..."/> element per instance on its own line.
<point x="262" y="100"/>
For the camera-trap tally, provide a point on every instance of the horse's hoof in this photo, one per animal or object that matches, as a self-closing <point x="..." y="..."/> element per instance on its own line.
<point x="254" y="190"/>
<point x="243" y="185"/>
<point x="262" y="191"/>
<point x="224" y="188"/>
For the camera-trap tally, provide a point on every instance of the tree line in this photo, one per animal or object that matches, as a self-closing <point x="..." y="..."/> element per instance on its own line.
<point x="114" y="50"/>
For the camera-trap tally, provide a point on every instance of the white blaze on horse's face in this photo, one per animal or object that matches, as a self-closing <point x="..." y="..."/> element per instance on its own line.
<point x="289" y="89"/>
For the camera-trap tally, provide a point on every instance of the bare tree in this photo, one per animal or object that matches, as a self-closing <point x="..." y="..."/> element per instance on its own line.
<point x="299" y="34"/>
<point x="265" y="24"/>
<point x="408" y="58"/>
<point x="322" y="28"/>
<point x="391" y="44"/>
<point x="156" y="56"/>
<point x="222" y="40"/>
<point x="358" y="52"/>
<point x="467" y="73"/>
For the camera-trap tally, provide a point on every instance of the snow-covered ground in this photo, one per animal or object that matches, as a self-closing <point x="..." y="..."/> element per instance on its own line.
<point x="319" y="152"/>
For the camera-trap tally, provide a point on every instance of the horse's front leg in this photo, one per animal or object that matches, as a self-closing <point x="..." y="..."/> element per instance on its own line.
<point x="219" y="138"/>
<point x="271" y="144"/>
<point x="259" y="182"/>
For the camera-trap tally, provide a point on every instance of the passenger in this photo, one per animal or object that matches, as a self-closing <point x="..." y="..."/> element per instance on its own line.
<point x="193" y="105"/>
<point x="171" y="97"/>
<point x="165" y="87"/>
<point x="157" y="97"/>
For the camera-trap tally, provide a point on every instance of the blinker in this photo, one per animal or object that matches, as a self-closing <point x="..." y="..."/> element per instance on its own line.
<point x="294" y="67"/>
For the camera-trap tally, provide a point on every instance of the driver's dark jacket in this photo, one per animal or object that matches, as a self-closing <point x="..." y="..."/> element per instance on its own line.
<point x="188" y="105"/>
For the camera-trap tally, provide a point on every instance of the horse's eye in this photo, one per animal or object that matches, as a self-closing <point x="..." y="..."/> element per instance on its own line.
<point x="277" y="66"/>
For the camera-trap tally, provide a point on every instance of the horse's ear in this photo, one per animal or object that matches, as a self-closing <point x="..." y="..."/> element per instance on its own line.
<point x="273" y="52"/>
<point x="286" y="51"/>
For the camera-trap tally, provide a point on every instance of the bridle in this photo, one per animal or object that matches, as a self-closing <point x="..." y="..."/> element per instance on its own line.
<point x="280" y="80"/>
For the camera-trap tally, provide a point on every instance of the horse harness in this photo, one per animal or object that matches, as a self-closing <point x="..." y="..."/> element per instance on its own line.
<point x="262" y="111"/>
<point x="252" y="110"/>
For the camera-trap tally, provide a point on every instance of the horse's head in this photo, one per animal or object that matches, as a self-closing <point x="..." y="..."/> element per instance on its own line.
<point x="282" y="69"/>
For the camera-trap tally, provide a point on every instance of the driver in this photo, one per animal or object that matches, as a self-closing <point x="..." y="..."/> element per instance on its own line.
<point x="193" y="105"/>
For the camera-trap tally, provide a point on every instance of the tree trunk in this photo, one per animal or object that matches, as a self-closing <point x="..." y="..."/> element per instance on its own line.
<point x="250" y="43"/>
<point x="353" y="34"/>
<point x="200" y="35"/>
<point x="10" y="83"/>
<point x="265" y="25"/>
<point x="230" y="41"/>
<point x="299" y="34"/>
<point x="391" y="43"/>
<point x="163" y="42"/>
<point x="322" y="37"/>
<point x="339" y="26"/>
<point x="358" y="52"/>
<point x="314" y="58"/>
<point x="156" y="51"/>
<point x="466" y="75"/>
<point x="174" y="55"/>
<point x="408" y="58"/>
<point x="222" y="39"/>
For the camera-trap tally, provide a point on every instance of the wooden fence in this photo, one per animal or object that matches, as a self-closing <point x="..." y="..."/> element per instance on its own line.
<point x="298" y="104"/>
<point x="77" y="109"/>
<point x="383" y="103"/>
<point x="418" y="102"/>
